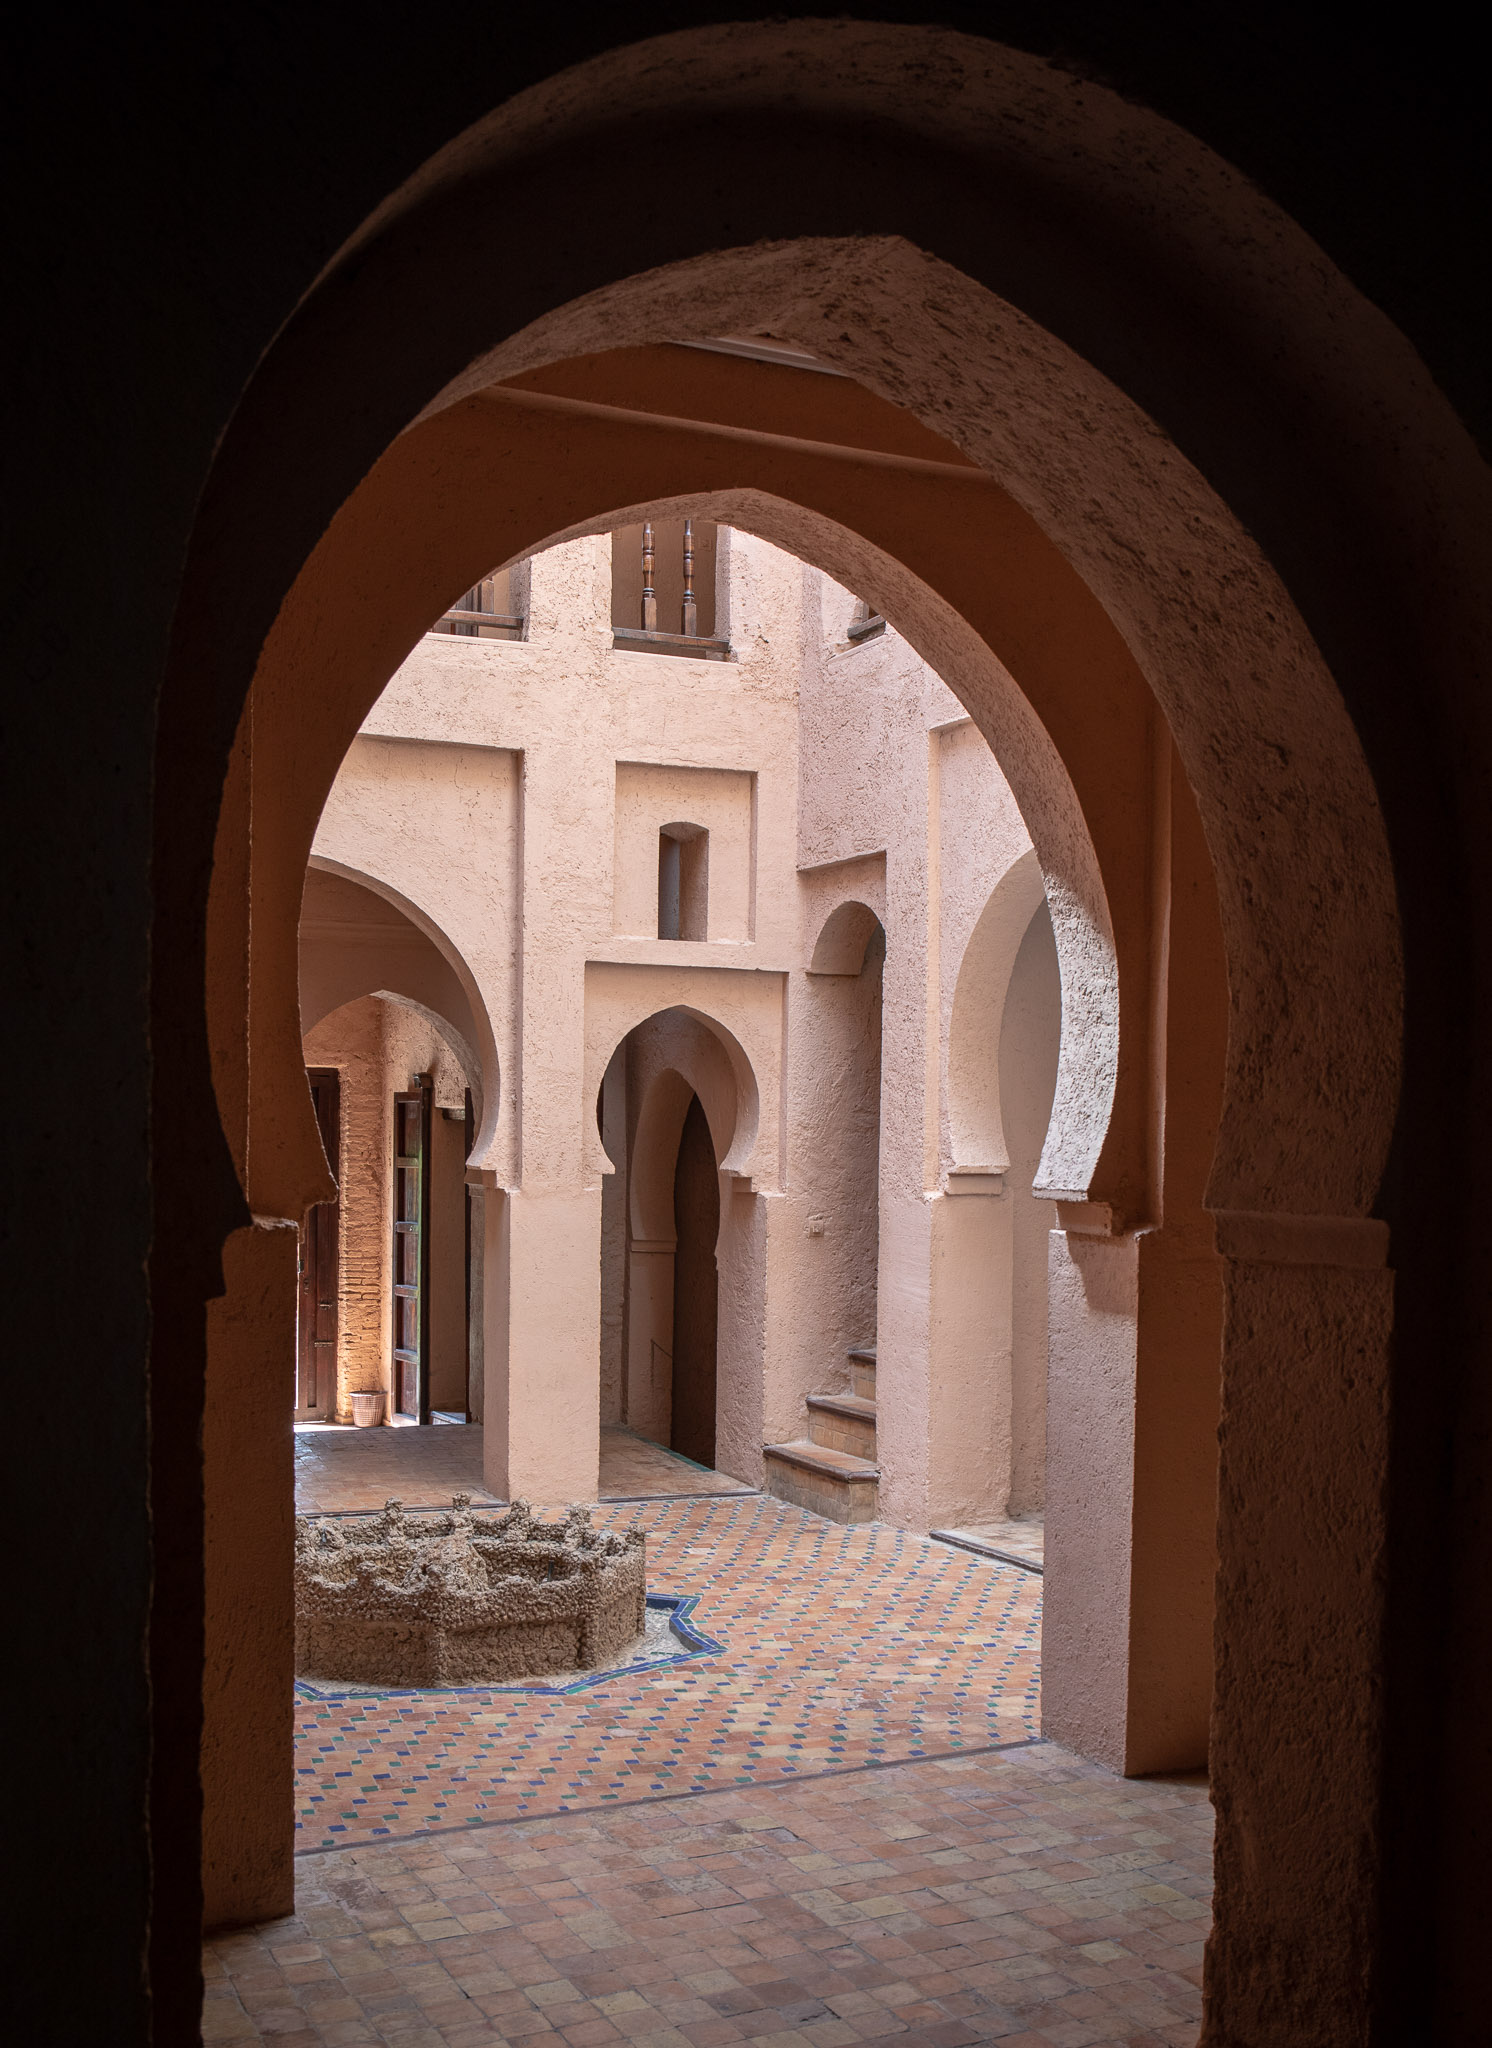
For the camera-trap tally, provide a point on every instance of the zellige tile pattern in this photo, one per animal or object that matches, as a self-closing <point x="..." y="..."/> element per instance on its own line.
<point x="842" y="1646"/>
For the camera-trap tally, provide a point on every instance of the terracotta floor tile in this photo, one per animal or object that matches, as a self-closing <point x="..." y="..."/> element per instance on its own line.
<point x="774" y="1889"/>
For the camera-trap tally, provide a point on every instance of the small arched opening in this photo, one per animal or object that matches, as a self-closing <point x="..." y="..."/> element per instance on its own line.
<point x="678" y="1364"/>
<point x="391" y="1280"/>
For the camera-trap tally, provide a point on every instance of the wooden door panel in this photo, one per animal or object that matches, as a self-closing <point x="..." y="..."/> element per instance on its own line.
<point x="317" y="1310"/>
<point x="411" y="1251"/>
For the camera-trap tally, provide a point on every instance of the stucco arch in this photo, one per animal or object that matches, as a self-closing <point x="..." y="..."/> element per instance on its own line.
<point x="843" y="938"/>
<point x="707" y="1060"/>
<point x="431" y="978"/>
<point x="901" y="201"/>
<point x="976" y="1132"/>
<point x="1054" y="406"/>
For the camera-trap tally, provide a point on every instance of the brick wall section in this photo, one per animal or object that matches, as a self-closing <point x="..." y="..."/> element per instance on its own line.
<point x="352" y="1040"/>
<point x="377" y="1047"/>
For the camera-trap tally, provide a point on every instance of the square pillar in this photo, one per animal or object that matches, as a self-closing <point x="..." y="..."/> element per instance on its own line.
<point x="1298" y="1725"/>
<point x="944" y="1430"/>
<point x="970" y="1436"/>
<point x="542" y="1317"/>
<point x="1132" y="1405"/>
<point x="248" y="1821"/>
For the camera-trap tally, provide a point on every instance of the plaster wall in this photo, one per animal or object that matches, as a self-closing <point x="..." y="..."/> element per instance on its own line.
<point x="486" y="792"/>
<point x="721" y="802"/>
<point x="508" y="796"/>
<point x="920" y="794"/>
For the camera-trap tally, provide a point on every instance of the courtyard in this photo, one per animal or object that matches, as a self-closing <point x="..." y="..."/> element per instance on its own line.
<point x="840" y="1825"/>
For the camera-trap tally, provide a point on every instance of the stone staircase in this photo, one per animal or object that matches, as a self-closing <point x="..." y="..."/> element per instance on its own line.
<point x="833" y="1471"/>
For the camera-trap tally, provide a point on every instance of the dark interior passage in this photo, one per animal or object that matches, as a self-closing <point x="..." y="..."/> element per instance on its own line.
<point x="696" y="1209"/>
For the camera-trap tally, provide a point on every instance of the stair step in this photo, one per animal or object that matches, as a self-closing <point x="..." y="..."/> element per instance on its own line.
<point x="843" y="1422"/>
<point x="827" y="1482"/>
<point x="862" y="1359"/>
<point x="845" y="1404"/>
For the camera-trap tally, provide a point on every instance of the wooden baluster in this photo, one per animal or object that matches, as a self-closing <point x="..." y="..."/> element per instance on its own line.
<point x="690" y="611"/>
<point x="649" y="594"/>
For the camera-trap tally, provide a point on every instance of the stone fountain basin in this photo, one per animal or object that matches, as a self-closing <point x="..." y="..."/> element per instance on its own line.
<point x="446" y="1600"/>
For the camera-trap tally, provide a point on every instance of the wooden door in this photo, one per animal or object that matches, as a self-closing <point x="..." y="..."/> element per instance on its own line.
<point x="412" y="1251"/>
<point x="468" y="1139"/>
<point x="696" y="1210"/>
<point x="316" y="1309"/>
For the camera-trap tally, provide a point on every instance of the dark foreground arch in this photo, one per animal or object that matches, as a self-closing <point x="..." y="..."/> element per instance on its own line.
<point x="1335" y="452"/>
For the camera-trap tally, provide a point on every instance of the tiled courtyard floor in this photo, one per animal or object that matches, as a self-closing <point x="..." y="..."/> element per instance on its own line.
<point x="841" y="1646"/>
<point x="1021" y="1898"/>
<point x="805" y="1837"/>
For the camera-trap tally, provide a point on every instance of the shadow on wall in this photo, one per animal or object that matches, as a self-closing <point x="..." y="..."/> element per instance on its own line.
<point x="1030" y="1030"/>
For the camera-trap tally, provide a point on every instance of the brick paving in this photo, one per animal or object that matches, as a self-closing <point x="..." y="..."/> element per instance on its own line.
<point x="1021" y="1897"/>
<point x="840" y="1646"/>
<point x="805" y="1837"/>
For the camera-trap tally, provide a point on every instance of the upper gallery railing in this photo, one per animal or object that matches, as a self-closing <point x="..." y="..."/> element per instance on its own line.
<point x="477" y="615"/>
<point x="865" y="623"/>
<point x="647" y="634"/>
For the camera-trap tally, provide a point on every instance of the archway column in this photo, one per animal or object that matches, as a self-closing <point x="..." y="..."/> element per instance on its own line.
<point x="943" y="1380"/>
<point x="248" y="1871"/>
<point x="1135" y="1346"/>
<point x="1297" y="1728"/>
<point x="1132" y="1391"/>
<point x="542" y="1319"/>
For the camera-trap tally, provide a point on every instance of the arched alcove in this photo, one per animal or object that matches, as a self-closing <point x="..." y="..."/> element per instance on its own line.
<point x="843" y="938"/>
<point x="975" y="1125"/>
<point x="356" y="940"/>
<point x="671" y="1066"/>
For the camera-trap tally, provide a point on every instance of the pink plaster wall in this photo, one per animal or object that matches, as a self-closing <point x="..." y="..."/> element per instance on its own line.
<point x="1028" y="1077"/>
<point x="495" y="829"/>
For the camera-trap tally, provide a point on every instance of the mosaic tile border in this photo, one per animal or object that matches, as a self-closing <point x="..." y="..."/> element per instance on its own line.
<point x="848" y="1648"/>
<point x="696" y="1644"/>
<point x="382" y="1837"/>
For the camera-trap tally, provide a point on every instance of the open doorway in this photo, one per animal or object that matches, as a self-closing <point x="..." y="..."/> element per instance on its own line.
<point x="680" y="1311"/>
